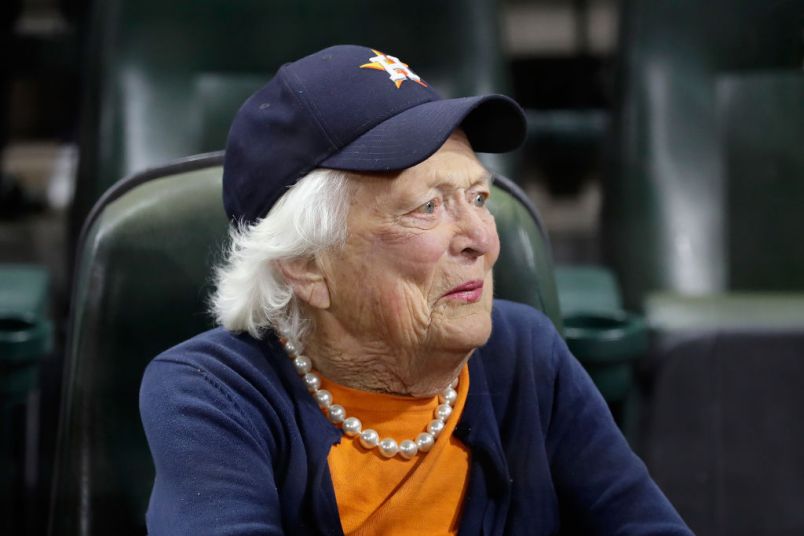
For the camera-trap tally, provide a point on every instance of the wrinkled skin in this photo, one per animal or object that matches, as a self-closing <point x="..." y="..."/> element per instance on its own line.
<point x="382" y="320"/>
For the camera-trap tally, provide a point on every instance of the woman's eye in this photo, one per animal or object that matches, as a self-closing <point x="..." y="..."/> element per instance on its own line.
<point x="429" y="207"/>
<point x="480" y="199"/>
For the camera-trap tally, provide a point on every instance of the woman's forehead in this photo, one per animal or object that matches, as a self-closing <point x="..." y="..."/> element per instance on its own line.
<point x="453" y="166"/>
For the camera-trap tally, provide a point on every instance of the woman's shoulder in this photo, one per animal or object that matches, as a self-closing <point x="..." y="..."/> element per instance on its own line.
<point x="523" y="343"/>
<point x="218" y="366"/>
<point x="521" y="325"/>
<point x="221" y="352"/>
<point x="517" y="367"/>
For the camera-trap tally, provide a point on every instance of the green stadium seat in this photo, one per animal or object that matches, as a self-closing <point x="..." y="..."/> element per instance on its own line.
<point x="164" y="79"/>
<point x="665" y="213"/>
<point x="701" y="222"/>
<point x="140" y="288"/>
<point x="26" y="339"/>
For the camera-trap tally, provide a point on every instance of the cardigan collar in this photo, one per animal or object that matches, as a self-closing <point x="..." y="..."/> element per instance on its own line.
<point x="477" y="428"/>
<point x="489" y="480"/>
<point x="319" y="436"/>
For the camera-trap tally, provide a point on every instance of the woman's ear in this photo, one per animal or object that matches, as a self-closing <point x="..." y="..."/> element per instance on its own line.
<point x="307" y="281"/>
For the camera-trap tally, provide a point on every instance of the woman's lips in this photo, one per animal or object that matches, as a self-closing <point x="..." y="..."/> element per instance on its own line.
<point x="468" y="292"/>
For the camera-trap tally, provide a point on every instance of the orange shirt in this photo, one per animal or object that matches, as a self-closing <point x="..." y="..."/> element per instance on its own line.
<point x="394" y="496"/>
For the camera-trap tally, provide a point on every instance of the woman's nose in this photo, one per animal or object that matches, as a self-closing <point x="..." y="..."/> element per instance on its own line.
<point x="474" y="230"/>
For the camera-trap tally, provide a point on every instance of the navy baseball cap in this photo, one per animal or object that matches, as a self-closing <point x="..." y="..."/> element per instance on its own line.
<point x="350" y="108"/>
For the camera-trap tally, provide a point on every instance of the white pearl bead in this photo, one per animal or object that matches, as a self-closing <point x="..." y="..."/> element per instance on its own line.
<point x="449" y="396"/>
<point x="312" y="381"/>
<point x="408" y="449"/>
<point x="443" y="412"/>
<point x="425" y="441"/>
<point x="323" y="397"/>
<point x="435" y="427"/>
<point x="351" y="426"/>
<point x="388" y="447"/>
<point x="336" y="413"/>
<point x="369" y="438"/>
<point x="302" y="364"/>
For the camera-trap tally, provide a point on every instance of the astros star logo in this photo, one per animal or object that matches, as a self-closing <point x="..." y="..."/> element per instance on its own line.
<point x="397" y="70"/>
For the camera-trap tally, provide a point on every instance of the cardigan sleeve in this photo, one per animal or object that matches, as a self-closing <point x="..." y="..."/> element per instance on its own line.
<point x="603" y="487"/>
<point x="214" y="474"/>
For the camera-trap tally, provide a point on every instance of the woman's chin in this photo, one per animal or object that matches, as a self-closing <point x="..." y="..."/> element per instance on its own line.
<point x="462" y="328"/>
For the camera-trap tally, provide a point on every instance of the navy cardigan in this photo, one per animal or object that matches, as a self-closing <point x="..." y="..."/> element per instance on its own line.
<point x="240" y="447"/>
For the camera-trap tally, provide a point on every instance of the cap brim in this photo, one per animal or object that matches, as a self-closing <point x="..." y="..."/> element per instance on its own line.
<point x="492" y="123"/>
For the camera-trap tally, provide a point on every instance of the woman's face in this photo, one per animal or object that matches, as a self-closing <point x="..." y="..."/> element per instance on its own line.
<point x="415" y="272"/>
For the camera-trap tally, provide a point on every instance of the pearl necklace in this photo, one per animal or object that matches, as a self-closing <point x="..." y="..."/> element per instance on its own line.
<point x="353" y="428"/>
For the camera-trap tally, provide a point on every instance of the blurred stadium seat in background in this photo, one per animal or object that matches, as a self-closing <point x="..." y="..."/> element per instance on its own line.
<point x="664" y="153"/>
<point x="165" y="79"/>
<point x="702" y="221"/>
<point x="169" y="221"/>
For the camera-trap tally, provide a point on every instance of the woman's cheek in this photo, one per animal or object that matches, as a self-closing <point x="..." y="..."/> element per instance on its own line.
<point x="494" y="238"/>
<point x="413" y="244"/>
<point x="494" y="249"/>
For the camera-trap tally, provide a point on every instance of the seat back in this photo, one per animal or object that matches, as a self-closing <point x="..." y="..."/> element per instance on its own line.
<point x="164" y="79"/>
<point x="140" y="288"/>
<point x="665" y="212"/>
<point x="722" y="432"/>
<point x="761" y="123"/>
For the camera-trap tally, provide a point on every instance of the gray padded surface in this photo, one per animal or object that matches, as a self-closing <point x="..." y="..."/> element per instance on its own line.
<point x="723" y="430"/>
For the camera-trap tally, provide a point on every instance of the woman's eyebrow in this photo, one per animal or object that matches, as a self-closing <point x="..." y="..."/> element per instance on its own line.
<point x="485" y="179"/>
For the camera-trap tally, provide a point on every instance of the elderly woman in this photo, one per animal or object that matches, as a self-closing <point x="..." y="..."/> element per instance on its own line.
<point x="364" y="380"/>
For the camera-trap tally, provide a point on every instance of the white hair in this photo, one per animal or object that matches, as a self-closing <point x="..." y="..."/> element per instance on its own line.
<point x="251" y="293"/>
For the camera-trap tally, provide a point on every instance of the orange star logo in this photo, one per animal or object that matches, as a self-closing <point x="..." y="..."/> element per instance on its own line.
<point x="397" y="71"/>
